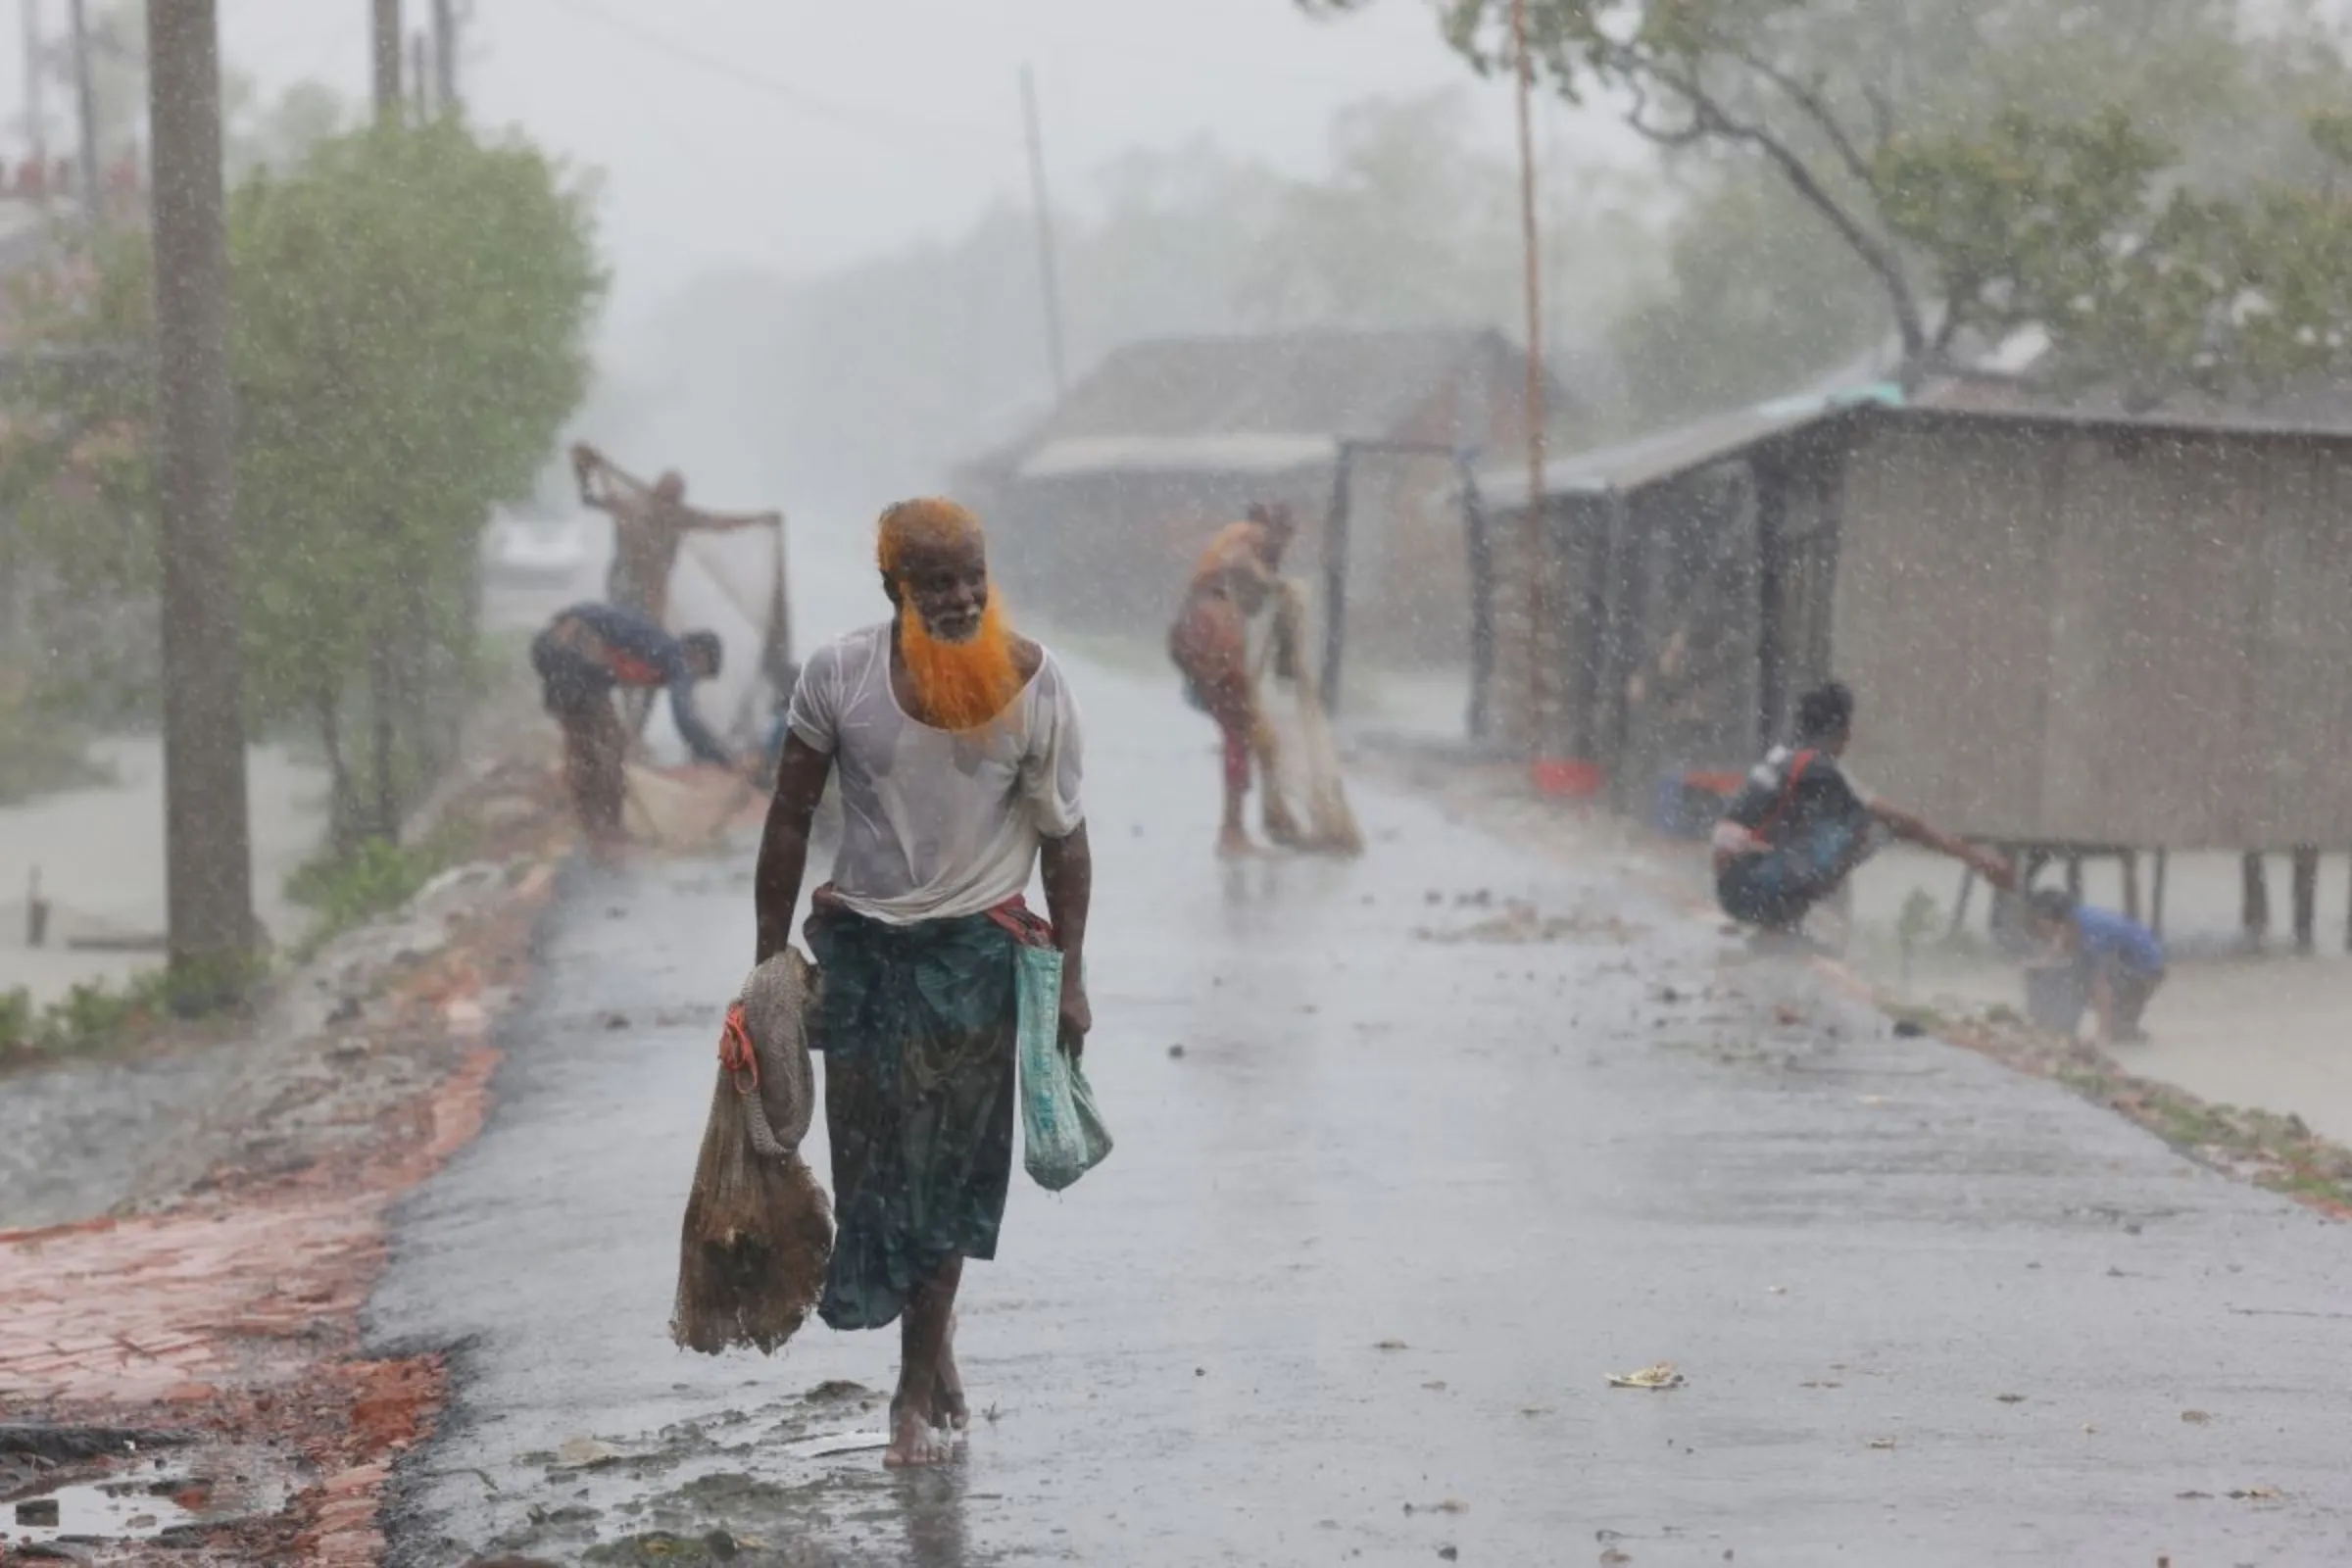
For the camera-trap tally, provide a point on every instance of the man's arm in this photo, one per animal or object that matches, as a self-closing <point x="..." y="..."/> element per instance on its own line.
<point x="1911" y="829"/>
<point x="1067" y="866"/>
<point x="603" y="485"/>
<point x="696" y="735"/>
<point x="784" y="844"/>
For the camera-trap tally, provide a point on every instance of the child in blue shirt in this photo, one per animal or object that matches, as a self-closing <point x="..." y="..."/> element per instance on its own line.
<point x="2117" y="962"/>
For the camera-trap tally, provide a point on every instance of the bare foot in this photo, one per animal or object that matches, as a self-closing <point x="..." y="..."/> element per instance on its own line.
<point x="1234" y="845"/>
<point x="1282" y="828"/>
<point x="947" y="1406"/>
<point x="914" y="1440"/>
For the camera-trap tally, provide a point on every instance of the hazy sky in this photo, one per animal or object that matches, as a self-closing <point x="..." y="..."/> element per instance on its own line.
<point x="797" y="135"/>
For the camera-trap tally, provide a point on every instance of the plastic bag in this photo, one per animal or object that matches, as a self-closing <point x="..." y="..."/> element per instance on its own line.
<point x="1062" y="1136"/>
<point x="757" y="1230"/>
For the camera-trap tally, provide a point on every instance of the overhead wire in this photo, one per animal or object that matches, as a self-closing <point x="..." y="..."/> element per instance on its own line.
<point x="890" y="125"/>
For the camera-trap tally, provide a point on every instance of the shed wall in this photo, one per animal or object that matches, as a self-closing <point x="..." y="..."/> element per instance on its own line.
<point x="2101" y="637"/>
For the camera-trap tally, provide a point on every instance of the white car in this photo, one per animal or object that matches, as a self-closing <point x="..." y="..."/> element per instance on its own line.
<point x="537" y="549"/>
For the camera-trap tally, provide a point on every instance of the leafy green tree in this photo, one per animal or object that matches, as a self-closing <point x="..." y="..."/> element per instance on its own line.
<point x="1842" y="101"/>
<point x="412" y="309"/>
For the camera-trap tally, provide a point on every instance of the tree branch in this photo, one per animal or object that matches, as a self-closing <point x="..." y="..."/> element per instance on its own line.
<point x="1815" y="109"/>
<point x="1710" y="119"/>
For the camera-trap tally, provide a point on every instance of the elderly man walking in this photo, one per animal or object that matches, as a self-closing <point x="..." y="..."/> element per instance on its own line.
<point x="958" y="751"/>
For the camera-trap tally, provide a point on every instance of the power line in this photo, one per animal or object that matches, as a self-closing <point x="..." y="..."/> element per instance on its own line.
<point x="890" y="126"/>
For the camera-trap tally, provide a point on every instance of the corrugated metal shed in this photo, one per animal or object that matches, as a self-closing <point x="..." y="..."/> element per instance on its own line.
<point x="1653" y="460"/>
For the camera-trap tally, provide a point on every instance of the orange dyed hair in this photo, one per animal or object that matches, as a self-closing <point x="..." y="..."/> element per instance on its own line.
<point x="913" y="524"/>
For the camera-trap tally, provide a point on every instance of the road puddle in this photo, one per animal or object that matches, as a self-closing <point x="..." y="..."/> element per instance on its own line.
<point x="170" y="1499"/>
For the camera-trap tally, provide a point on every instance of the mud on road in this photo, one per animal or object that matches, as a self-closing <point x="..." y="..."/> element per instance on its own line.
<point x="196" y="1229"/>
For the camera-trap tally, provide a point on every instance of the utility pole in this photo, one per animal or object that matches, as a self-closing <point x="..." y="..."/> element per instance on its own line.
<point x="207" y="849"/>
<point x="445" y="55"/>
<point x="421" y="76"/>
<point x="87" y="110"/>
<point x="1540" y="663"/>
<point x="383" y="39"/>
<point x="36" y="94"/>
<point x="1047" y="274"/>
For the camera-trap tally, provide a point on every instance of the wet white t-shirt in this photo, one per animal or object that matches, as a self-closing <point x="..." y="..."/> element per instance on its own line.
<point x="936" y="825"/>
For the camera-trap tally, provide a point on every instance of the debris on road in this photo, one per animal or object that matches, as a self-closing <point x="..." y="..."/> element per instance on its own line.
<point x="1661" y="1375"/>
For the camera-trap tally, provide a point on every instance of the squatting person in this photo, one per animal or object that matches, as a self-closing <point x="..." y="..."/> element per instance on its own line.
<point x="957" y="744"/>
<point x="2116" y="963"/>
<point x="581" y="657"/>
<point x="1800" y="824"/>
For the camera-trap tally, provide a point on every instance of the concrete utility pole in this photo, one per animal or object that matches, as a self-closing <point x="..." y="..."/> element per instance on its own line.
<point x="445" y="55"/>
<point x="1048" y="273"/>
<point x="383" y="37"/>
<point x="86" y="106"/>
<point x="207" y="849"/>
<point x="1539" y="638"/>
<point x="421" y="76"/>
<point x="36" y="90"/>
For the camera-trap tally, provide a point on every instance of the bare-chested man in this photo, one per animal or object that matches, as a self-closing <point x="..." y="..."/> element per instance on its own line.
<point x="649" y="524"/>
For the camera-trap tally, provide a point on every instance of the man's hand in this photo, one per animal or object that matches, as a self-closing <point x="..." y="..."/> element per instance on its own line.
<point x="1993" y="869"/>
<point x="1077" y="1015"/>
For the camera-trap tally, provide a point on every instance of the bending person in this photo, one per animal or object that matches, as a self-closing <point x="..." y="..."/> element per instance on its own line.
<point x="1210" y="644"/>
<point x="583" y="657"/>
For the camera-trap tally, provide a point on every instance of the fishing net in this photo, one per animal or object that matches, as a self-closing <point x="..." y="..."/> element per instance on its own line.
<point x="1306" y="764"/>
<point x="758" y="1230"/>
<point x="682" y="809"/>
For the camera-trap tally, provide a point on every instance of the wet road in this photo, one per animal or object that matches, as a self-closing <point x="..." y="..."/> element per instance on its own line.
<point x="1349" y="1287"/>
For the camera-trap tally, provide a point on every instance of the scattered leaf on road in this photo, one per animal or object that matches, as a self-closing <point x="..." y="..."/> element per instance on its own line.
<point x="2257" y="1495"/>
<point x="2197" y="1418"/>
<point x="1881" y="1443"/>
<point x="2010" y="1399"/>
<point x="1390" y="1345"/>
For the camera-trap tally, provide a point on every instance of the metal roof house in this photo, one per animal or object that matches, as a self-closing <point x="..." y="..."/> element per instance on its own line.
<point x="1097" y="514"/>
<point x="2067" y="624"/>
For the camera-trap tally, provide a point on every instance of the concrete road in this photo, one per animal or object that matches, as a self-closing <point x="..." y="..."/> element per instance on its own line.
<point x="1421" y="1176"/>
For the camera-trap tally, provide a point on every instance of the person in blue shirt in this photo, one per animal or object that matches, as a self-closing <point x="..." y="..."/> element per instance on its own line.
<point x="581" y="657"/>
<point x="2117" y="962"/>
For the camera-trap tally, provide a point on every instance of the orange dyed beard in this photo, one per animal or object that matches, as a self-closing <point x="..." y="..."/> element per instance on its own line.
<point x="961" y="686"/>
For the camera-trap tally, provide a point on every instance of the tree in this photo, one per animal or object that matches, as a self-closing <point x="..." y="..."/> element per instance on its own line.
<point x="1837" y="100"/>
<point x="2085" y="231"/>
<point x="1413" y="226"/>
<point x="1750" y="299"/>
<point x="412" y="309"/>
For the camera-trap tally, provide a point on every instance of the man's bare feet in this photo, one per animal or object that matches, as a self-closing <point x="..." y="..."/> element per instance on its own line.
<point x="947" y="1406"/>
<point x="1233" y="844"/>
<point x="915" y="1439"/>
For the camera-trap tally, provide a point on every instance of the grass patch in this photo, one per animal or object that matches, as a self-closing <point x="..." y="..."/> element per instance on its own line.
<point x="99" y="1015"/>
<point x="375" y="878"/>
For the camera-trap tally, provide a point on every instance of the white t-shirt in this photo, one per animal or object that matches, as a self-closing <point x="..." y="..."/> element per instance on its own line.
<point x="936" y="825"/>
